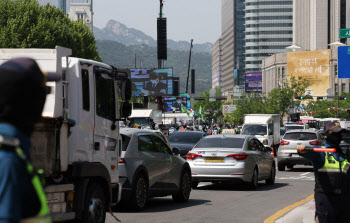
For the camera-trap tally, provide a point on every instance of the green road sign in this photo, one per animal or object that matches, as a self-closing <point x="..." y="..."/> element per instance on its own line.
<point x="344" y="33"/>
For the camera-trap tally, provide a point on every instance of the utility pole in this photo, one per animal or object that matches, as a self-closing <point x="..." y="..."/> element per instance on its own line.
<point x="189" y="66"/>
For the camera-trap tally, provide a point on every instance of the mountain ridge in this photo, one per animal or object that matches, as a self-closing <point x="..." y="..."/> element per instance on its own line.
<point x="119" y="32"/>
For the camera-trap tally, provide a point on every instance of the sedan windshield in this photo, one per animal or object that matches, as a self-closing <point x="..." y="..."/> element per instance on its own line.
<point x="254" y="130"/>
<point x="289" y="127"/>
<point x="184" y="138"/>
<point x="222" y="142"/>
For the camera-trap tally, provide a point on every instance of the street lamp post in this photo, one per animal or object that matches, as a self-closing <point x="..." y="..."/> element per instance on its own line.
<point x="335" y="45"/>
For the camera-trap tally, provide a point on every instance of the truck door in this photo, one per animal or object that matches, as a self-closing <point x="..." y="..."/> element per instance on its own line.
<point x="105" y="148"/>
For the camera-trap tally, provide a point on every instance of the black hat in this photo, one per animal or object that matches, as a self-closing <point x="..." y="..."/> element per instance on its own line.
<point x="23" y="92"/>
<point x="333" y="127"/>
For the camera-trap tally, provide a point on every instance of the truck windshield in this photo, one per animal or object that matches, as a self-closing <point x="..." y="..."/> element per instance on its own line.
<point x="254" y="130"/>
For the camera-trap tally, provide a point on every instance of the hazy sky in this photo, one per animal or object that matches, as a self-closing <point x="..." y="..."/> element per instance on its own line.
<point x="187" y="19"/>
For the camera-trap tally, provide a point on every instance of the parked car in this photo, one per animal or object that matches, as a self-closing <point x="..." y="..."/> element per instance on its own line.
<point x="233" y="158"/>
<point x="287" y="152"/>
<point x="149" y="168"/>
<point x="185" y="140"/>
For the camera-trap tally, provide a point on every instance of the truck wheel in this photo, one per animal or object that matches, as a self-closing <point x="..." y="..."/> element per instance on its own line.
<point x="271" y="180"/>
<point x="95" y="204"/>
<point x="183" y="194"/>
<point x="255" y="179"/>
<point x="139" y="194"/>
<point x="281" y="167"/>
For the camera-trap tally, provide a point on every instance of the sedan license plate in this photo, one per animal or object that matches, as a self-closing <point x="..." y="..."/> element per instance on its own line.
<point x="295" y="155"/>
<point x="214" y="159"/>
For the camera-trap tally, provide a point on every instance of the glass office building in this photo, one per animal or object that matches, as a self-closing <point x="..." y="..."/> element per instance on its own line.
<point x="268" y="30"/>
<point x="232" y="55"/>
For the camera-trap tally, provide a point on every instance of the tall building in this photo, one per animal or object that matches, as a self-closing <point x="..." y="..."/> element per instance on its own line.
<point x="232" y="27"/>
<point x="63" y="4"/>
<point x="268" y="30"/>
<point x="316" y="23"/>
<point x="216" y="64"/>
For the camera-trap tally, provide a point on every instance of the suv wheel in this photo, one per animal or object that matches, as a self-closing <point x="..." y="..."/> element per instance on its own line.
<point x="139" y="194"/>
<point x="183" y="194"/>
<point x="281" y="167"/>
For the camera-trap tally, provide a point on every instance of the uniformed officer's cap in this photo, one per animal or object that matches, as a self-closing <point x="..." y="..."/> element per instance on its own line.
<point x="333" y="127"/>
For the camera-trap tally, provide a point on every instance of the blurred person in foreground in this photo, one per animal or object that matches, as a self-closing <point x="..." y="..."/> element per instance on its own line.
<point x="22" y="99"/>
<point x="332" y="177"/>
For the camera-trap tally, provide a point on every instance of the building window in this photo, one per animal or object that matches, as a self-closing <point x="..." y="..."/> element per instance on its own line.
<point x="342" y="88"/>
<point x="335" y="69"/>
<point x="80" y="15"/>
<point x="282" y="73"/>
<point x="336" y="88"/>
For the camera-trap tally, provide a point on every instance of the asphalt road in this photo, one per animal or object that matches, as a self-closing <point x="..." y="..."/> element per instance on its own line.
<point x="228" y="203"/>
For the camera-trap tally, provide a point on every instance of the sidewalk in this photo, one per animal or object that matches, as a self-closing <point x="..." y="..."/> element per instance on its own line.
<point x="302" y="214"/>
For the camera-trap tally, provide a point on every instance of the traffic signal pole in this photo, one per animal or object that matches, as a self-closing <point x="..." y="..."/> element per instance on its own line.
<point x="160" y="16"/>
<point x="189" y="66"/>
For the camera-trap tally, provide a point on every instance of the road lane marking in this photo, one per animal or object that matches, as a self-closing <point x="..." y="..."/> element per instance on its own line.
<point x="280" y="213"/>
<point x="304" y="174"/>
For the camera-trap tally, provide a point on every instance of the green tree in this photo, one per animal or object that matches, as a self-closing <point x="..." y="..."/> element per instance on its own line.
<point x="211" y="105"/>
<point x="26" y="24"/>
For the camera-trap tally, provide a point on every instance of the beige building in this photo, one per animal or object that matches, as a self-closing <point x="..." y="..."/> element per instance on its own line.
<point x="316" y="23"/>
<point x="275" y="72"/>
<point x="216" y="64"/>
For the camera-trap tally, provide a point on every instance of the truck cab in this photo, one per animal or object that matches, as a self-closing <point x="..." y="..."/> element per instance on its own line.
<point x="77" y="142"/>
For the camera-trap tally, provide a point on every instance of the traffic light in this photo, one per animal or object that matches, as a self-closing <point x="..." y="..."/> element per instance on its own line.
<point x="299" y="97"/>
<point x="321" y="98"/>
<point x="342" y="98"/>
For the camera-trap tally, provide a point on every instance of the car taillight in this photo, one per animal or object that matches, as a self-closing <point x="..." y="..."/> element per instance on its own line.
<point x="284" y="143"/>
<point x="238" y="156"/>
<point x="121" y="160"/>
<point x="192" y="156"/>
<point x="315" y="143"/>
<point x="266" y="142"/>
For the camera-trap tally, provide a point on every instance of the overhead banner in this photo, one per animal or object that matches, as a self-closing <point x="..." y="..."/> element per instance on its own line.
<point x="151" y="82"/>
<point x="312" y="66"/>
<point x="343" y="62"/>
<point x="253" y="82"/>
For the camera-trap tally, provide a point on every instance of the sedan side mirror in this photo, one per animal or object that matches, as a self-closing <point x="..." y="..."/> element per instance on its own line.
<point x="176" y="151"/>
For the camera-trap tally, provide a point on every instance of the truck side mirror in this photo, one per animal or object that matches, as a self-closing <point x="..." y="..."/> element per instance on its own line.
<point x="125" y="109"/>
<point x="126" y="89"/>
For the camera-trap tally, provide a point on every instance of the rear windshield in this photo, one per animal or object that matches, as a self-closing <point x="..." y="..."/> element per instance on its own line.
<point x="184" y="138"/>
<point x="294" y="127"/>
<point x="300" y="136"/>
<point x="222" y="142"/>
<point x="125" y="140"/>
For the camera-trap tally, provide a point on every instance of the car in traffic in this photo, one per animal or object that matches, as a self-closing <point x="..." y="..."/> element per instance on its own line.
<point x="287" y="152"/>
<point x="231" y="158"/>
<point x="185" y="140"/>
<point x="149" y="168"/>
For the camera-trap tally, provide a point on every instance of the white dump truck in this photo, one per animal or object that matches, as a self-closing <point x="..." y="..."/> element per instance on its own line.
<point x="265" y="127"/>
<point x="77" y="143"/>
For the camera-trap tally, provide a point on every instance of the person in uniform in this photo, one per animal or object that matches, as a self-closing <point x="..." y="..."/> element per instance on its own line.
<point x="332" y="177"/>
<point x="22" y="98"/>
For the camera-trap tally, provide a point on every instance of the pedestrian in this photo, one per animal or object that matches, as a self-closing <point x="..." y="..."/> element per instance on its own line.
<point x="22" y="99"/>
<point x="332" y="177"/>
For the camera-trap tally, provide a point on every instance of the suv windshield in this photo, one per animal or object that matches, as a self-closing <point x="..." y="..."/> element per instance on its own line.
<point x="184" y="138"/>
<point x="222" y="142"/>
<point x="254" y="130"/>
<point x="300" y="136"/>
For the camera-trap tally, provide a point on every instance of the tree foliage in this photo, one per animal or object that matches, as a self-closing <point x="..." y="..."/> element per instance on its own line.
<point x="26" y="24"/>
<point x="276" y="102"/>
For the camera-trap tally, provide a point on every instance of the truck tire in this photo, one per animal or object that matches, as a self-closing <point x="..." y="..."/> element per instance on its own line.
<point x="271" y="180"/>
<point x="95" y="205"/>
<point x="139" y="194"/>
<point x="281" y="167"/>
<point x="183" y="194"/>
